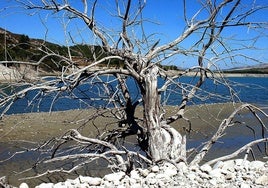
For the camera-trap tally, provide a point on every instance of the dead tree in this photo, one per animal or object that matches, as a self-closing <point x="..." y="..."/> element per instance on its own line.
<point x="124" y="55"/>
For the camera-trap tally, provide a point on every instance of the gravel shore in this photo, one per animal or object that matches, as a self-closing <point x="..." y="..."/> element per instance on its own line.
<point x="233" y="173"/>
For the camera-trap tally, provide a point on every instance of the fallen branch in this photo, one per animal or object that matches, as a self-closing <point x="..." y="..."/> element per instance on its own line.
<point x="228" y="122"/>
<point x="234" y="154"/>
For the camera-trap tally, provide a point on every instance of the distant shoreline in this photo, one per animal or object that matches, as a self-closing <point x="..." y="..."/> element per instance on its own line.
<point x="8" y="75"/>
<point x="240" y="75"/>
<point x="216" y="74"/>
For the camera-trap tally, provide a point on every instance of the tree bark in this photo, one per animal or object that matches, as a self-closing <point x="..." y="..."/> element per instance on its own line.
<point x="165" y="143"/>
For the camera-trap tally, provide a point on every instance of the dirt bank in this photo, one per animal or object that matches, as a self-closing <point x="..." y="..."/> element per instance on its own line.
<point x="41" y="126"/>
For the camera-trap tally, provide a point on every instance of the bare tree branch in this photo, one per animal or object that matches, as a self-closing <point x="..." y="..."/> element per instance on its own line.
<point x="237" y="152"/>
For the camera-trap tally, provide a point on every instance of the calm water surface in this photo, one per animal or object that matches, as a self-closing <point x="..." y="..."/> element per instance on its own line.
<point x="246" y="89"/>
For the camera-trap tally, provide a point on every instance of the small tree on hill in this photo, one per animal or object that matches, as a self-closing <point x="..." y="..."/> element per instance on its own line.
<point x="141" y="57"/>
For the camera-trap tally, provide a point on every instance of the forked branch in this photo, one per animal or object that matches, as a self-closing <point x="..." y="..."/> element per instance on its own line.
<point x="220" y="132"/>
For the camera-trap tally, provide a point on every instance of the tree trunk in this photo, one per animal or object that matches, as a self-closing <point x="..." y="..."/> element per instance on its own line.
<point x="165" y="143"/>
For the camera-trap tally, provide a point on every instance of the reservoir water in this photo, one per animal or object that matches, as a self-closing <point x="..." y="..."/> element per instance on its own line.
<point x="242" y="89"/>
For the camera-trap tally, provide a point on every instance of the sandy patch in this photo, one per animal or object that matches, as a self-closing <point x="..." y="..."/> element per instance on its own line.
<point x="42" y="126"/>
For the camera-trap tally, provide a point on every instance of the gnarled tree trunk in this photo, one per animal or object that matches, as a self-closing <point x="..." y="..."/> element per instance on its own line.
<point x="165" y="143"/>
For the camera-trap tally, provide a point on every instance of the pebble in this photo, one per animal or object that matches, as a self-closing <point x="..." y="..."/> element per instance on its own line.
<point x="134" y="174"/>
<point x="151" y="175"/>
<point x="206" y="168"/>
<point x="263" y="180"/>
<point x="182" y="167"/>
<point x="117" y="176"/>
<point x="155" y="169"/>
<point x="213" y="182"/>
<point x="45" y="185"/>
<point x="256" y="165"/>
<point x="171" y="172"/>
<point x="191" y="176"/>
<point x="143" y="172"/>
<point x="90" y="180"/>
<point x="244" y="185"/>
<point x="59" y="185"/>
<point x="216" y="173"/>
<point x="229" y="165"/>
<point x="23" y="185"/>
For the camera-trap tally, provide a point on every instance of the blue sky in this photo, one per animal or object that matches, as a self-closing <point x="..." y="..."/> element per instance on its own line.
<point x="35" y="25"/>
<point x="167" y="14"/>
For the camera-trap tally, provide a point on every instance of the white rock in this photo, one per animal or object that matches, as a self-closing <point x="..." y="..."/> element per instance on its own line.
<point x="131" y="181"/>
<point x="120" y="186"/>
<point x="151" y="175"/>
<point x="171" y="172"/>
<point x="205" y="168"/>
<point x="182" y="167"/>
<point x="116" y="183"/>
<point x="59" y="185"/>
<point x="191" y="176"/>
<point x="143" y="172"/>
<point x="194" y="168"/>
<point x="216" y="173"/>
<point x="213" y="182"/>
<point x="262" y="180"/>
<point x="161" y="184"/>
<point x="81" y="185"/>
<point x="117" y="176"/>
<point x="169" y="166"/>
<point x="229" y="176"/>
<point x="203" y="175"/>
<point x="151" y="181"/>
<point x="68" y="184"/>
<point x="84" y="179"/>
<point x="45" y="185"/>
<point x="229" y="165"/>
<point x="107" y="184"/>
<point x="162" y="176"/>
<point x="134" y="174"/>
<point x="94" y="181"/>
<point x="244" y="185"/>
<point x="75" y="181"/>
<point x="242" y="162"/>
<point x="256" y="165"/>
<point x="155" y="169"/>
<point x="219" y="164"/>
<point x="199" y="179"/>
<point x="126" y="180"/>
<point x="239" y="162"/>
<point x="23" y="185"/>
<point x="135" y="186"/>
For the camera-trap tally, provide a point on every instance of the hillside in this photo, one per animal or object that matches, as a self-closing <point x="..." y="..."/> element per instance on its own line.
<point x="19" y="47"/>
<point x="254" y="69"/>
<point x="22" y="48"/>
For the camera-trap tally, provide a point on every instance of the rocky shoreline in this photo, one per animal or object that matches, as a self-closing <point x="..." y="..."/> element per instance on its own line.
<point x="232" y="173"/>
